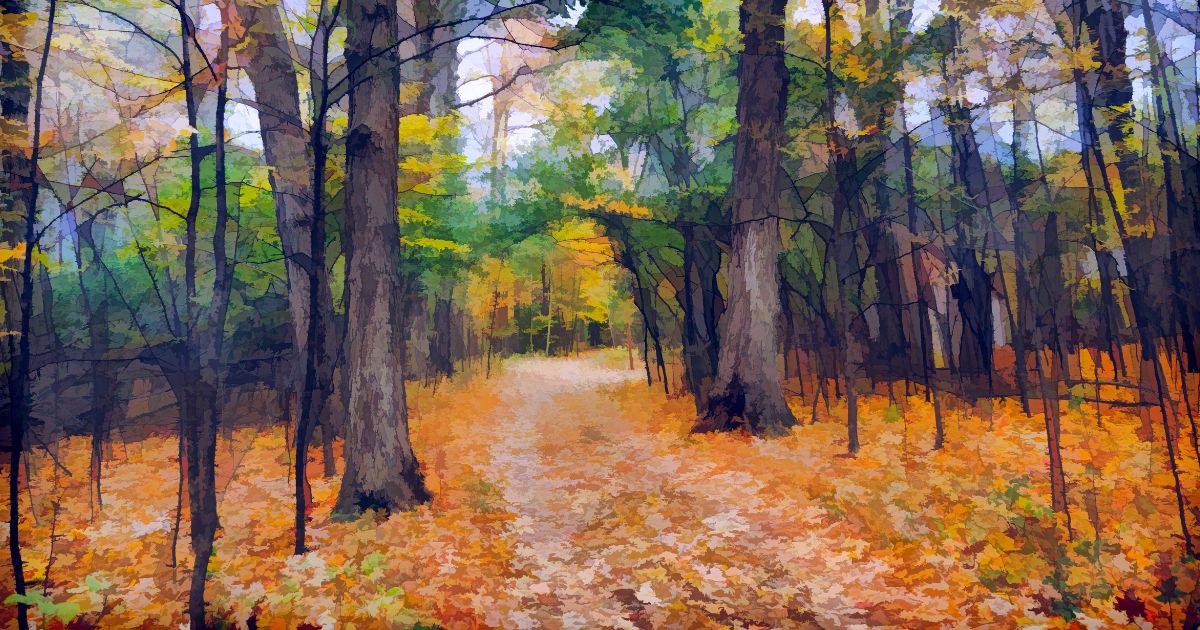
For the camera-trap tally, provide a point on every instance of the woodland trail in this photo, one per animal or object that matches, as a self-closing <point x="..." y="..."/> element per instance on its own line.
<point x="615" y="527"/>
<point x="568" y="494"/>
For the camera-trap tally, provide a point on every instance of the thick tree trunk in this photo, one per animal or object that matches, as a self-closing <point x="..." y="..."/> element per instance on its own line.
<point x="439" y="67"/>
<point x="891" y="348"/>
<point x="291" y="151"/>
<point x="973" y="289"/>
<point x="748" y="387"/>
<point x="381" y="468"/>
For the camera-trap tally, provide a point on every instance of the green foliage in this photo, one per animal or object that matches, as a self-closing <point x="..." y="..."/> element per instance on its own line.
<point x="65" y="611"/>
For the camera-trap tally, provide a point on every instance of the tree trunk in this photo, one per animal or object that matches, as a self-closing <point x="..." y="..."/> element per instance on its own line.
<point x="1181" y="175"/>
<point x="748" y="386"/>
<point x="198" y="384"/>
<point x="298" y="184"/>
<point x="1052" y="414"/>
<point x="491" y="329"/>
<point x="440" y="347"/>
<point x="94" y="291"/>
<point x="19" y="181"/>
<point x="381" y="469"/>
<point x="973" y="288"/>
<point x="629" y="343"/>
<point x="701" y="304"/>
<point x="643" y="295"/>
<point x="1021" y="320"/>
<point x="891" y="348"/>
<point x="848" y="214"/>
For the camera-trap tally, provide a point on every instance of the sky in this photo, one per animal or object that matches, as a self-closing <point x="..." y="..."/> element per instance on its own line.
<point x="479" y="59"/>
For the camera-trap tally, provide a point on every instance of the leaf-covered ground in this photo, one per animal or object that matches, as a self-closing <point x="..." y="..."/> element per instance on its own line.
<point x="568" y="494"/>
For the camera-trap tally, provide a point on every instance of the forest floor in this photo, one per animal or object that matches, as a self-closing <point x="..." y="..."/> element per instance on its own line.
<point x="568" y="494"/>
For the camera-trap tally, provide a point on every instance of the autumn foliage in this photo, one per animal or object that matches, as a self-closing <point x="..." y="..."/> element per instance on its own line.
<point x="567" y="493"/>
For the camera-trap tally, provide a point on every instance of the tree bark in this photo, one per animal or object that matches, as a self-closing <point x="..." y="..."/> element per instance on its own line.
<point x="1020" y="321"/>
<point x="842" y="247"/>
<point x="973" y="288"/>
<point x="920" y="289"/>
<point x="297" y="161"/>
<point x="1181" y="178"/>
<point x="440" y="346"/>
<point x="891" y="348"/>
<point x="381" y="469"/>
<point x="19" y="180"/>
<point x="196" y="376"/>
<point x="748" y="387"/>
<point x="701" y="303"/>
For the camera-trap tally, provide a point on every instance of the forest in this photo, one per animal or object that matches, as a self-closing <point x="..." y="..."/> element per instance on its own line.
<point x="600" y="313"/>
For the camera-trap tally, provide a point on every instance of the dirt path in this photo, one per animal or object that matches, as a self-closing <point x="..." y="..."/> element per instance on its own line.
<point x="548" y="455"/>
<point x="616" y="526"/>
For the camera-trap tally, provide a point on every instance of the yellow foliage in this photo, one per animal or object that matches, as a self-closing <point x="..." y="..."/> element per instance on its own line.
<point x="14" y="25"/>
<point x="435" y="244"/>
<point x="606" y="204"/>
<point x="423" y="129"/>
<point x="413" y="216"/>
<point x="1082" y="58"/>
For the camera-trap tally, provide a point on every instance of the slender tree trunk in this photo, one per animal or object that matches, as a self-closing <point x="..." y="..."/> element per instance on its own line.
<point x="841" y="248"/>
<point x="973" y="288"/>
<point x="643" y="295"/>
<point x="19" y="179"/>
<point x="748" y="386"/>
<point x="659" y="358"/>
<point x="491" y="332"/>
<point x="315" y="289"/>
<point x="1058" y="480"/>
<point x="920" y="314"/>
<point x="381" y="469"/>
<point x="547" y="299"/>
<point x="198" y="384"/>
<point x="1105" y="263"/>
<point x="700" y="302"/>
<point x="95" y="304"/>
<point x="629" y="342"/>
<point x="188" y="385"/>
<point x="440" y="347"/>
<point x="1019" y="323"/>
